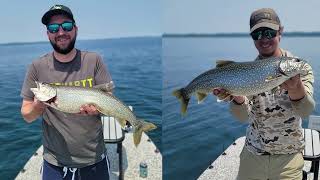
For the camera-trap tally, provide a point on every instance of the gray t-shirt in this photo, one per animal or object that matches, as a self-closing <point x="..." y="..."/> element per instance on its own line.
<point x="70" y="140"/>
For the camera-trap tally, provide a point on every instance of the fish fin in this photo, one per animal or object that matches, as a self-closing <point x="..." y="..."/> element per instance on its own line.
<point x="184" y="101"/>
<point x="201" y="96"/>
<point x="122" y="122"/>
<point x="220" y="63"/>
<point x="105" y="87"/>
<point x="223" y="97"/>
<point x="99" y="109"/>
<point x="143" y="127"/>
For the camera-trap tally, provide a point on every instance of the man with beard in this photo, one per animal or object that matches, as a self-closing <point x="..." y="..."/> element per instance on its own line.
<point x="73" y="143"/>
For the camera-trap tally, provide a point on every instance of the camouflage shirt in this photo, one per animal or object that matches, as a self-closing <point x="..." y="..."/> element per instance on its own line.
<point x="275" y="120"/>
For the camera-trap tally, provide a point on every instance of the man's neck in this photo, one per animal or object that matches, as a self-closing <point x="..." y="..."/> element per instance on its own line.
<point x="65" y="57"/>
<point x="277" y="53"/>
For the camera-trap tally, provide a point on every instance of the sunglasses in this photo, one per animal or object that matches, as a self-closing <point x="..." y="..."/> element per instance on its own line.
<point x="268" y="33"/>
<point x="66" y="26"/>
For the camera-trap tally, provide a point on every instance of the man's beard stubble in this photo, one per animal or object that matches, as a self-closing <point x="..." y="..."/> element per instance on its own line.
<point x="64" y="50"/>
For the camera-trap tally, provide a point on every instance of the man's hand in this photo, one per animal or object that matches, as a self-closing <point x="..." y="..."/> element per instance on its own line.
<point x="31" y="110"/>
<point x="88" y="109"/>
<point x="237" y="99"/>
<point x="295" y="87"/>
<point x="38" y="105"/>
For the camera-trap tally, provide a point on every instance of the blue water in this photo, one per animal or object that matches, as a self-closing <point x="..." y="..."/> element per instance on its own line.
<point x="135" y="66"/>
<point x="190" y="144"/>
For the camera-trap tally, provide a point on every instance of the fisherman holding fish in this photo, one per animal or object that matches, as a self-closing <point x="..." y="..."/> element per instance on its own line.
<point x="73" y="143"/>
<point x="274" y="93"/>
<point x="274" y="139"/>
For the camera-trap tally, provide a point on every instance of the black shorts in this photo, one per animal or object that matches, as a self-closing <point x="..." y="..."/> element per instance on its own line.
<point x="98" y="171"/>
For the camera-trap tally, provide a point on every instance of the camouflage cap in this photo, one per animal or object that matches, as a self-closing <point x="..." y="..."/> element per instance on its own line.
<point x="54" y="10"/>
<point x="264" y="17"/>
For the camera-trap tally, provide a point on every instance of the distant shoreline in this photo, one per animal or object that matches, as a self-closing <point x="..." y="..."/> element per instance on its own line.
<point x="191" y="35"/>
<point x="286" y="34"/>
<point x="111" y="38"/>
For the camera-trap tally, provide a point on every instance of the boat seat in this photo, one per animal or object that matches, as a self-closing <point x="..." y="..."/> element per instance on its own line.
<point x="312" y="149"/>
<point x="113" y="133"/>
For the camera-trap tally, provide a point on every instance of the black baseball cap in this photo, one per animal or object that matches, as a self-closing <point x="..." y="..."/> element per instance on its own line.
<point x="55" y="10"/>
<point x="265" y="17"/>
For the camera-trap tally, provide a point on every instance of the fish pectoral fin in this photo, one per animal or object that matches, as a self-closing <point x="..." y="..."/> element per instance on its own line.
<point x="223" y="97"/>
<point x="201" y="96"/>
<point x="220" y="63"/>
<point x="143" y="127"/>
<point x="99" y="109"/>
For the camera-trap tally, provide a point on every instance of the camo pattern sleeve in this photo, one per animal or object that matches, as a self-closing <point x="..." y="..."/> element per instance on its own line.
<point x="306" y="105"/>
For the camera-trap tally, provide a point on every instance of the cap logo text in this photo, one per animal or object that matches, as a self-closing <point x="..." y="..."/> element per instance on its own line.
<point x="263" y="16"/>
<point x="57" y="7"/>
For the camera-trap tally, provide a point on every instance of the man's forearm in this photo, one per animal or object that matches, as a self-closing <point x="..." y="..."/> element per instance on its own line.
<point x="304" y="106"/>
<point x="30" y="111"/>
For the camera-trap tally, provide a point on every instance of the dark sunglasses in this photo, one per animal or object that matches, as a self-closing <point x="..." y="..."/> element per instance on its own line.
<point x="66" y="26"/>
<point x="268" y="33"/>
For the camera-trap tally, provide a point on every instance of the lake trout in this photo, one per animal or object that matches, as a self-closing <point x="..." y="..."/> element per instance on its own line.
<point x="69" y="99"/>
<point x="242" y="78"/>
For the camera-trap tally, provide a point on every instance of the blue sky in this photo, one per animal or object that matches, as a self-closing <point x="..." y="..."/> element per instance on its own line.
<point x="21" y="20"/>
<point x="214" y="16"/>
<point x="111" y="18"/>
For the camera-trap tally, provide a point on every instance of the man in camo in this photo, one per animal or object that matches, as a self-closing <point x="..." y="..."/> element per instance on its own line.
<point x="274" y="139"/>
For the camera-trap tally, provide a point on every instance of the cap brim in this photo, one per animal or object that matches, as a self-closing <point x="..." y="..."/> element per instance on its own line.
<point x="265" y="24"/>
<point x="46" y="17"/>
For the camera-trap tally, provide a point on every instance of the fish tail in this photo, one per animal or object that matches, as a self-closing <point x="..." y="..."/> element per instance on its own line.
<point x="143" y="127"/>
<point x="180" y="94"/>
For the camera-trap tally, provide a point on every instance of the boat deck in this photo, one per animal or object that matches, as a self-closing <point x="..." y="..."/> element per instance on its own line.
<point x="132" y="156"/>
<point x="226" y="167"/>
